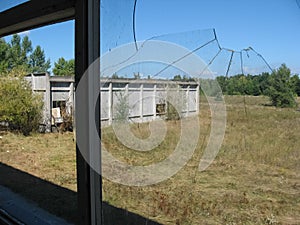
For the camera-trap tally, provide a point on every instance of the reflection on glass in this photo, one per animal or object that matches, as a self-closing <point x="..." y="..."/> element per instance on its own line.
<point x="149" y="92"/>
<point x="116" y="23"/>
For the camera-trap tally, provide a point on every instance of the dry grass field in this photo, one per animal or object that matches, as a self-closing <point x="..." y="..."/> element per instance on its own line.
<point x="255" y="178"/>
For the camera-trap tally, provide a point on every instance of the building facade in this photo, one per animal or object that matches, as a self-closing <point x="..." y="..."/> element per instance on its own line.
<point x="137" y="100"/>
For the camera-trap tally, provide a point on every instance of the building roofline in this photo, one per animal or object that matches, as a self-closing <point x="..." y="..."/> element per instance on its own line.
<point x="128" y="80"/>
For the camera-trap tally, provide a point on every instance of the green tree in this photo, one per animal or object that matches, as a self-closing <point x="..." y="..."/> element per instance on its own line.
<point x="121" y="107"/>
<point x="175" y="102"/>
<point x="64" y="67"/>
<point x="177" y="78"/>
<point x="210" y="87"/>
<point x="115" y="76"/>
<point x="19" y="106"/>
<point x="18" y="52"/>
<point x="14" y="53"/>
<point x="232" y="86"/>
<point x="26" y="49"/>
<point x="3" y="55"/>
<point x="295" y="82"/>
<point x="137" y="76"/>
<point x="252" y="87"/>
<point x="280" y="90"/>
<point x="38" y="63"/>
<point x="222" y="82"/>
<point x="264" y="82"/>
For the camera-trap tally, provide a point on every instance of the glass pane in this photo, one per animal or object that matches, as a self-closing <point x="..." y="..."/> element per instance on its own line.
<point x="116" y="24"/>
<point x="190" y="132"/>
<point x="7" y="4"/>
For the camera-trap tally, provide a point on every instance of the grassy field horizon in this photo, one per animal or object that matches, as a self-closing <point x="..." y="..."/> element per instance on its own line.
<point x="254" y="179"/>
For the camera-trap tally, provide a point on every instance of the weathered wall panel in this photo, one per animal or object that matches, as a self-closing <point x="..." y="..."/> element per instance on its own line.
<point x="142" y="97"/>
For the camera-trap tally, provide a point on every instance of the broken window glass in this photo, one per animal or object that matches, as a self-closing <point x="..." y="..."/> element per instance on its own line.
<point x="156" y="85"/>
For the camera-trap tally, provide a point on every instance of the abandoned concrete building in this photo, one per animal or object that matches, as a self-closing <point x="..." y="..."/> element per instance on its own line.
<point x="143" y="99"/>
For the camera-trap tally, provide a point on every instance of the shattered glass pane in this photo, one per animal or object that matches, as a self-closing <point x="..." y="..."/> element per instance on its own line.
<point x="116" y="23"/>
<point x="152" y="83"/>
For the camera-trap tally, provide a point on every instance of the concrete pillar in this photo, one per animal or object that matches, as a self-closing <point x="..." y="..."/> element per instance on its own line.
<point x="48" y="103"/>
<point x="198" y="97"/>
<point x="141" y="102"/>
<point x="187" y="94"/>
<point x="110" y="103"/>
<point x="154" y="101"/>
<point x="32" y="83"/>
<point x="71" y="99"/>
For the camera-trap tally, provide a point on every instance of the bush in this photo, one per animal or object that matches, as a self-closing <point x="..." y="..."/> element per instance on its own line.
<point x="176" y="103"/>
<point x="20" y="108"/>
<point x="121" y="107"/>
<point x="280" y="92"/>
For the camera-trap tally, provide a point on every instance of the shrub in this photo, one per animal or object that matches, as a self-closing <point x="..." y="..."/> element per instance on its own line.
<point x="176" y="103"/>
<point x="19" y="106"/>
<point x="280" y="92"/>
<point x="121" y="107"/>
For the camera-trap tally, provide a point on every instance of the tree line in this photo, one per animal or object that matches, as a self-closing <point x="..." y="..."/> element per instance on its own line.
<point x="281" y="86"/>
<point x="19" y="54"/>
<point x="260" y="84"/>
<point x="20" y="108"/>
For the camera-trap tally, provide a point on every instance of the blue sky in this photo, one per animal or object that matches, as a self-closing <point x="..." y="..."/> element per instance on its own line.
<point x="271" y="27"/>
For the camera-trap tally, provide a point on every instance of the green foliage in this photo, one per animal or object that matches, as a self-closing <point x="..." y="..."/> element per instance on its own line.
<point x="115" y="76"/>
<point x="121" y="108"/>
<point x="64" y="67"/>
<point x="185" y="78"/>
<point x="295" y="84"/>
<point x="176" y="103"/>
<point x="243" y="85"/>
<point x="26" y="49"/>
<point x="15" y="54"/>
<point x="19" y="54"/>
<point x="38" y="63"/>
<point x="3" y="55"/>
<point x="280" y="90"/>
<point x="177" y="78"/>
<point x="172" y="113"/>
<point x="210" y="87"/>
<point x="19" y="106"/>
<point x="137" y="76"/>
<point x="279" y="86"/>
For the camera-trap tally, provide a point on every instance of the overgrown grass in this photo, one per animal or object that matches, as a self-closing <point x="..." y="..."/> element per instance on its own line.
<point x="48" y="156"/>
<point x="254" y="179"/>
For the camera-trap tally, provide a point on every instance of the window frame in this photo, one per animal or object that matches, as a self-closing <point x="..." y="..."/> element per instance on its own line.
<point x="36" y="13"/>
